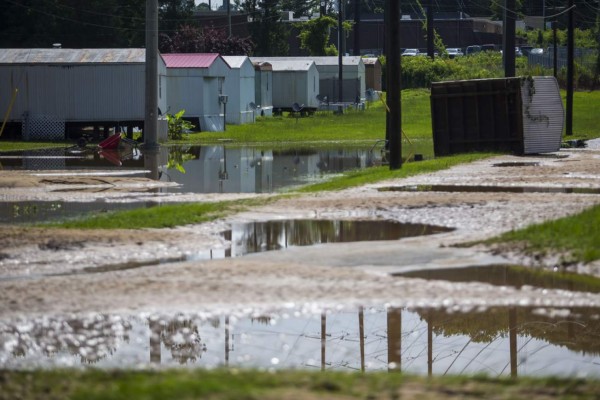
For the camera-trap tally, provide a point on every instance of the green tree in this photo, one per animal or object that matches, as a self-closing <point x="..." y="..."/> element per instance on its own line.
<point x="266" y="29"/>
<point x="314" y="36"/>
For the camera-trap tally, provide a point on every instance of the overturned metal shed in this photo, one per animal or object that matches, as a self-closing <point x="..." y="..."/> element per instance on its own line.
<point x="518" y="115"/>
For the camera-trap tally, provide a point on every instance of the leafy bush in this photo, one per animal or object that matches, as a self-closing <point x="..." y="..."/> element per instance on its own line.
<point x="177" y="125"/>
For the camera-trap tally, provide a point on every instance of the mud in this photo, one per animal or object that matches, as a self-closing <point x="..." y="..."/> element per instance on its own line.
<point x="39" y="268"/>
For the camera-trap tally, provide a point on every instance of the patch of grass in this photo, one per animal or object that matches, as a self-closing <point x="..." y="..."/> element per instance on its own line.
<point x="376" y="174"/>
<point x="585" y="114"/>
<point x="161" y="216"/>
<point x="577" y="236"/>
<point x="298" y="385"/>
<point x="20" y="145"/>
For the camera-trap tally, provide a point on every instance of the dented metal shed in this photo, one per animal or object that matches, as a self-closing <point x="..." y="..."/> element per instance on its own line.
<point x="51" y="89"/>
<point x="519" y="115"/>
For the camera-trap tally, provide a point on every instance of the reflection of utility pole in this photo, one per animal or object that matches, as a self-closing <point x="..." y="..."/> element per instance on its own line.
<point x="227" y="341"/>
<point x="155" y="330"/>
<point x="323" y="339"/>
<point x="394" y="331"/>
<point x="361" y="333"/>
<point x="512" y="329"/>
<point x="430" y="345"/>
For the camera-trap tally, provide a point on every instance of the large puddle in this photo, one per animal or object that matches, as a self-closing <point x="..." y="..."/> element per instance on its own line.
<point x="511" y="275"/>
<point x="206" y="169"/>
<point x="510" y="341"/>
<point x="257" y="237"/>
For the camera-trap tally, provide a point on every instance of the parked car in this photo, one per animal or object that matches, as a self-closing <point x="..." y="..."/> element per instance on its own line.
<point x="526" y="49"/>
<point x="454" y="52"/>
<point x="488" y="47"/>
<point x="472" y="49"/>
<point x="537" y="50"/>
<point x="410" y="52"/>
<point x="518" y="52"/>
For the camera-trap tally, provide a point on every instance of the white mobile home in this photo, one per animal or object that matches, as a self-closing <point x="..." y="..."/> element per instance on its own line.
<point x="239" y="87"/>
<point x="196" y="84"/>
<point x="49" y="91"/>
<point x="263" y="80"/>
<point x="294" y="81"/>
<point x="353" y="74"/>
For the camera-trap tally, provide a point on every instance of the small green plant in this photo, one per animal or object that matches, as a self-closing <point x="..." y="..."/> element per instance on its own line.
<point x="178" y="125"/>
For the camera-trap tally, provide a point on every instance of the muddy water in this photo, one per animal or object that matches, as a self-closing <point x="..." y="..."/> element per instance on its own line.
<point x="489" y="189"/>
<point x="497" y="342"/>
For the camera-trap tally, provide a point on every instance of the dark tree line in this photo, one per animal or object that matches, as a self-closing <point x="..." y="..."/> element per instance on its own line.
<point x="120" y="23"/>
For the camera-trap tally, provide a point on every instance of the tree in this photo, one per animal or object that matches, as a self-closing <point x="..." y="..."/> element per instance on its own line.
<point x="191" y="39"/>
<point x="314" y="36"/>
<point x="266" y="29"/>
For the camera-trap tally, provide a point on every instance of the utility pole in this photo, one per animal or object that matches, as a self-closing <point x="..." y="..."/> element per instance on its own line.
<point x="151" y="102"/>
<point x="430" y="49"/>
<point x="570" y="70"/>
<point x="508" y="38"/>
<point x="392" y="54"/>
<point x="229" y="17"/>
<point x="356" y="27"/>
<point x="340" y="56"/>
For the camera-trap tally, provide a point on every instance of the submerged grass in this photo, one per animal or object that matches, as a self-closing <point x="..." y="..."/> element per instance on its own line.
<point x="577" y="237"/>
<point x="299" y="385"/>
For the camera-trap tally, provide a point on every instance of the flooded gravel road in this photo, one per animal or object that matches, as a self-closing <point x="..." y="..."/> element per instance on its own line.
<point x="196" y="270"/>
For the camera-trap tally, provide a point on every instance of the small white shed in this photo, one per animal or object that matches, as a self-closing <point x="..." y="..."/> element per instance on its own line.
<point x="196" y="81"/>
<point x="239" y="87"/>
<point x="294" y="81"/>
<point x="353" y="74"/>
<point x="263" y="80"/>
<point x="53" y="89"/>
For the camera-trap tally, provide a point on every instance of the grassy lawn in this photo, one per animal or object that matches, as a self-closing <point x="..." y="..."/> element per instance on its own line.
<point x="296" y="385"/>
<point x="578" y="237"/>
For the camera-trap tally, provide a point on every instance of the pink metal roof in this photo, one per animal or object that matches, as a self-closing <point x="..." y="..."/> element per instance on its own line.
<point x="189" y="60"/>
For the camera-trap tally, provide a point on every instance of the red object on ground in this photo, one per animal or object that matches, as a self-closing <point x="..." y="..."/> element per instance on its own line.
<point x="111" y="142"/>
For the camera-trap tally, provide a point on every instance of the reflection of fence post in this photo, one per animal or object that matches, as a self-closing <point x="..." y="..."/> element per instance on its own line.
<point x="227" y="341"/>
<point x="430" y="345"/>
<point x="512" y="329"/>
<point x="155" y="330"/>
<point x="394" y="331"/>
<point x="323" y="339"/>
<point x="361" y="331"/>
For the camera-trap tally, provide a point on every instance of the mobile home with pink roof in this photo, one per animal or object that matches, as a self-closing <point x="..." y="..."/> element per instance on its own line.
<point x="196" y="84"/>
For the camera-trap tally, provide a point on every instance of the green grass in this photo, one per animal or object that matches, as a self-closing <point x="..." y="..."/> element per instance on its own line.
<point x="586" y="119"/>
<point x="376" y="174"/>
<point x="577" y="236"/>
<point x="162" y="216"/>
<point x="297" y="385"/>
<point x="21" y="145"/>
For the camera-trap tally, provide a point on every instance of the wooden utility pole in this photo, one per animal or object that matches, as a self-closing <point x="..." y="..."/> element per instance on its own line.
<point x="340" y="56"/>
<point x="392" y="54"/>
<point x="356" y="51"/>
<point x="430" y="33"/>
<point x="151" y="102"/>
<point x="508" y="38"/>
<point x="570" y="69"/>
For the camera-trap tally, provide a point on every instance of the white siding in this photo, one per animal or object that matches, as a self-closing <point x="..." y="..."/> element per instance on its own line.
<point x="543" y="115"/>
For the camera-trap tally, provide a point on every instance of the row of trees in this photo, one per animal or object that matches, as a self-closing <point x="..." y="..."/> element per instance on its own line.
<point x="120" y="23"/>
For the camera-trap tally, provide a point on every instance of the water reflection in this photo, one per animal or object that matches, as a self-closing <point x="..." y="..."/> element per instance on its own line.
<point x="275" y="235"/>
<point x="205" y="169"/>
<point x="220" y="169"/>
<point x="510" y="341"/>
<point x="511" y="275"/>
<point x="490" y="189"/>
